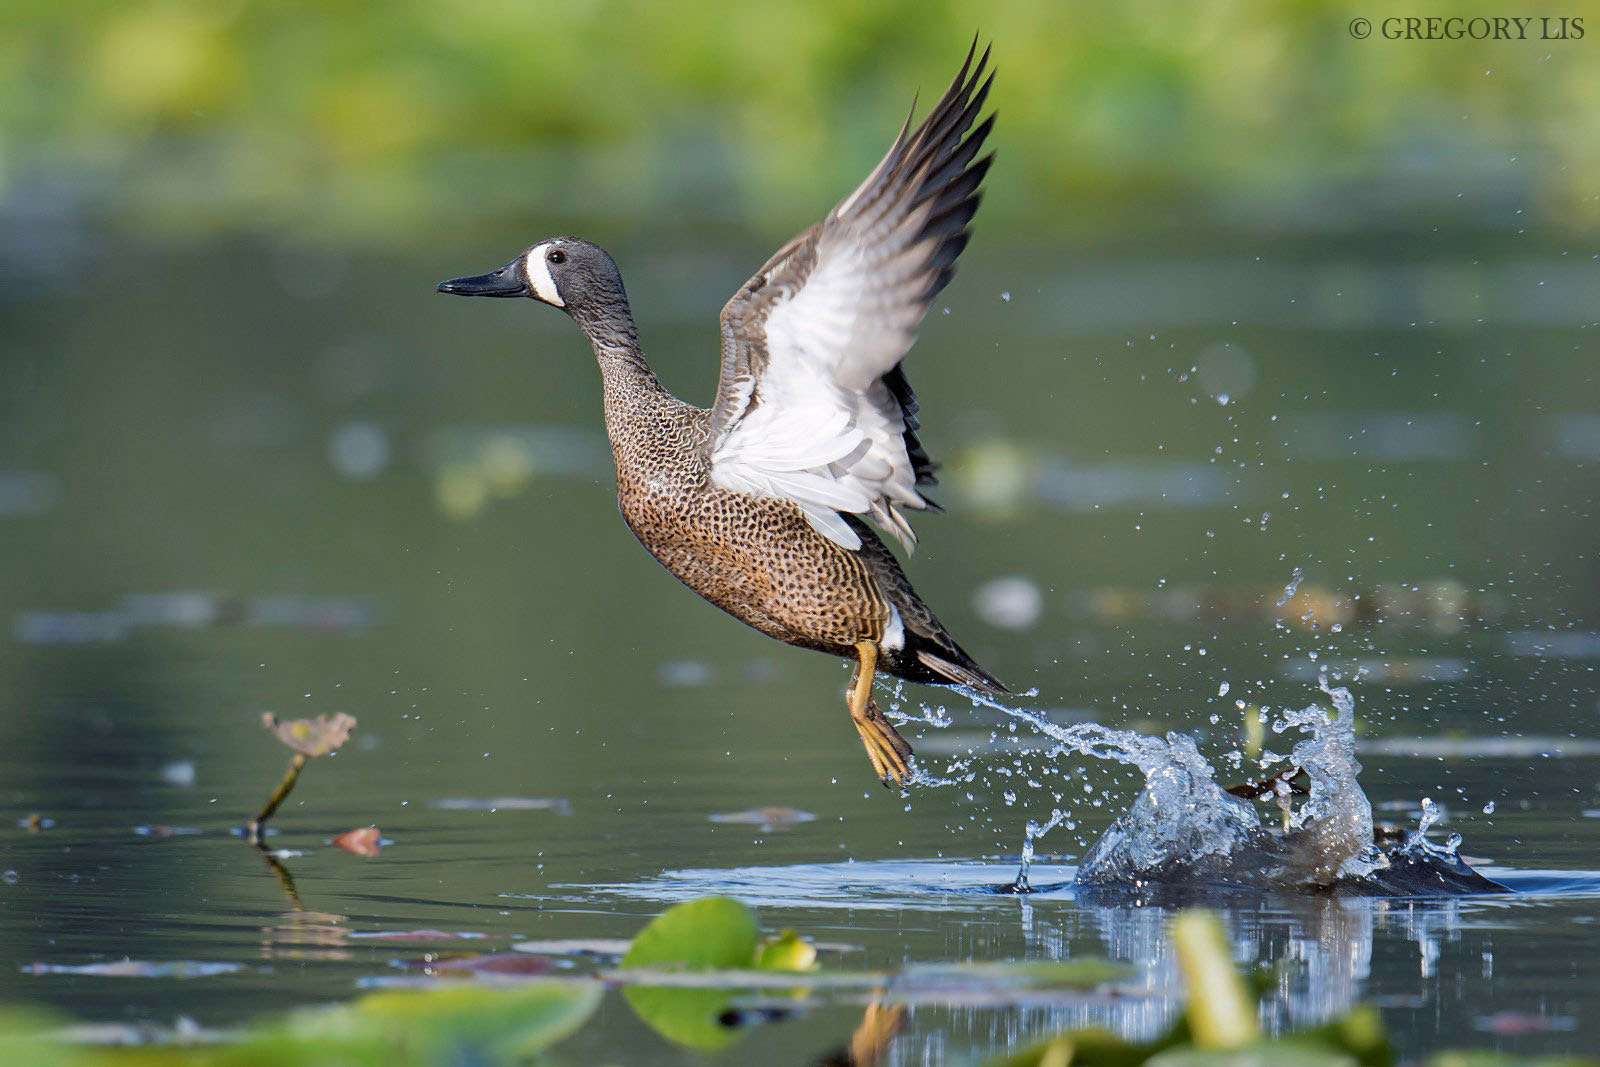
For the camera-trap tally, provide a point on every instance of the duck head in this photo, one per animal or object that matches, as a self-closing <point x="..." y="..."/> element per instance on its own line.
<point x="564" y="272"/>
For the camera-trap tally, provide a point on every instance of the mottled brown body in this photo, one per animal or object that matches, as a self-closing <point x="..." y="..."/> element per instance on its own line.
<point x="757" y="559"/>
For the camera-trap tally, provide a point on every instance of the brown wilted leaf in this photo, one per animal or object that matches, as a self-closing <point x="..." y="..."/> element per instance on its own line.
<point x="363" y="841"/>
<point x="311" y="737"/>
<point x="504" y="964"/>
<point x="420" y="935"/>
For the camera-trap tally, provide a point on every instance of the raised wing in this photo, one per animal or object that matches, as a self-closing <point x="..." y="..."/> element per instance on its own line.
<point x="813" y="405"/>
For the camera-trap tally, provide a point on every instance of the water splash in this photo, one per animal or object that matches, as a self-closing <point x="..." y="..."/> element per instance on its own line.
<point x="1031" y="833"/>
<point x="1181" y="816"/>
<point x="1292" y="588"/>
<point x="1185" y="828"/>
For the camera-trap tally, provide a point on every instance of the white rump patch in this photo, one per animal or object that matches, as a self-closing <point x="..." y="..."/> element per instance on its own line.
<point x="544" y="286"/>
<point x="894" y="635"/>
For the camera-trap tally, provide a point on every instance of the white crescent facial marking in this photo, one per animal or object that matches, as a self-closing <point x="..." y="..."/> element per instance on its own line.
<point x="544" y="286"/>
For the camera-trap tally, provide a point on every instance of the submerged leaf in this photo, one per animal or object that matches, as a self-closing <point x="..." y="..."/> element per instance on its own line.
<point x="311" y="737"/>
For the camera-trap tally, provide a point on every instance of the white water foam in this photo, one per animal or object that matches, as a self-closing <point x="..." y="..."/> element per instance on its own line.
<point x="1185" y="828"/>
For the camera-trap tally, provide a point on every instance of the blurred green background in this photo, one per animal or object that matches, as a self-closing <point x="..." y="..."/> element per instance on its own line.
<point x="1247" y="295"/>
<point x="394" y="123"/>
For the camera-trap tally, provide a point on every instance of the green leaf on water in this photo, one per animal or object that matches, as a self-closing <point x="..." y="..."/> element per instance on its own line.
<point x="426" y="1026"/>
<point x="1360" y="1033"/>
<point x="1269" y="1054"/>
<point x="786" y="952"/>
<point x="26" y="1036"/>
<point x="713" y="933"/>
<point x="1090" y="1047"/>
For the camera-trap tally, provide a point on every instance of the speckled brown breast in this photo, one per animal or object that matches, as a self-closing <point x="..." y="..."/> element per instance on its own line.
<point x="757" y="559"/>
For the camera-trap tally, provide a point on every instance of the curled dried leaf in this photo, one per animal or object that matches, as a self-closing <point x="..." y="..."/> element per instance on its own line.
<point x="311" y="737"/>
<point x="363" y="841"/>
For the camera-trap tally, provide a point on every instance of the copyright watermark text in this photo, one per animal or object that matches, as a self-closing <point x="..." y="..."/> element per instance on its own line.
<point x="1456" y="28"/>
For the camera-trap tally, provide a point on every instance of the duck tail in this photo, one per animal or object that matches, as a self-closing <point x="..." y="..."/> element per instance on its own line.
<point x="933" y="658"/>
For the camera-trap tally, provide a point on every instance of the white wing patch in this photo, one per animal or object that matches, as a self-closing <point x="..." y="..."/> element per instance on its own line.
<point x="824" y="431"/>
<point x="803" y="412"/>
<point x="544" y="286"/>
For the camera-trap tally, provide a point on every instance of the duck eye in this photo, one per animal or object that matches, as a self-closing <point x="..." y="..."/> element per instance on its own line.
<point x="556" y="256"/>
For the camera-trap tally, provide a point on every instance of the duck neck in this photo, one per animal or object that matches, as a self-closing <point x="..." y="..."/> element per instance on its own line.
<point x="630" y="385"/>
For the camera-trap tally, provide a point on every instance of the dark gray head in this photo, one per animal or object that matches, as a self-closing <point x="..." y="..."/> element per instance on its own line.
<point x="564" y="272"/>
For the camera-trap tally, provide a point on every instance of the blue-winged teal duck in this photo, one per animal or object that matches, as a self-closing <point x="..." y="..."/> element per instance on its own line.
<point x="756" y="503"/>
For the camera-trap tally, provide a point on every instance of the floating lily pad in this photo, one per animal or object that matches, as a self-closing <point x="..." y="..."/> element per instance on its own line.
<point x="707" y="934"/>
<point x="452" y="1024"/>
<point x="711" y="934"/>
<point x="311" y="737"/>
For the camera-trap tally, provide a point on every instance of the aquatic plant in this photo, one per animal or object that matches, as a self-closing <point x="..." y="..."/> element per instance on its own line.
<point x="710" y="934"/>
<point x="307" y="738"/>
<point x="1219" y="1025"/>
<point x="683" y="973"/>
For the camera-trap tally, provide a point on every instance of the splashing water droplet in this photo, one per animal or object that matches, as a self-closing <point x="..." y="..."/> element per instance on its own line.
<point x="1430" y="815"/>
<point x="1031" y="833"/>
<point x="1292" y="588"/>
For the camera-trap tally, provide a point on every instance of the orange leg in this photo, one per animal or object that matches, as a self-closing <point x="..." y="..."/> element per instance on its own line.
<point x="887" y="750"/>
